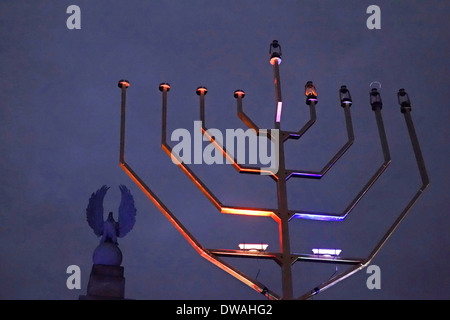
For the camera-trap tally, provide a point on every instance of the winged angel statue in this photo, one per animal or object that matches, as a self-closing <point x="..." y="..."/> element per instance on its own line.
<point x="110" y="229"/>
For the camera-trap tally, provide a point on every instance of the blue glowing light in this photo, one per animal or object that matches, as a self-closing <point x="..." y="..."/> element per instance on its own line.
<point x="318" y="216"/>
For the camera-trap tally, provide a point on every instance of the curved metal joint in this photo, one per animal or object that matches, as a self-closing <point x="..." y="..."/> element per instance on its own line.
<point x="312" y="119"/>
<point x="239" y="95"/>
<point x="229" y="157"/>
<point x="336" y="157"/>
<point x="387" y="160"/>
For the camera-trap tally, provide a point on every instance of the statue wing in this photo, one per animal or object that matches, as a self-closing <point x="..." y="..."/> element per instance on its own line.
<point x="94" y="210"/>
<point x="127" y="212"/>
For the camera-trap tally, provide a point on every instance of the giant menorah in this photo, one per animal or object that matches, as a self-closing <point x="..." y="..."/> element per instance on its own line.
<point x="285" y="258"/>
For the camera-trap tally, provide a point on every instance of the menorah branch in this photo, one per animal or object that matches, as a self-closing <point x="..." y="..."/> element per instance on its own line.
<point x="164" y="88"/>
<point x="277" y="257"/>
<point x="239" y="95"/>
<point x="123" y="84"/>
<point x="336" y="157"/>
<point x="228" y="156"/>
<point x="406" y="108"/>
<point x="341" y="216"/>
<point x="312" y="119"/>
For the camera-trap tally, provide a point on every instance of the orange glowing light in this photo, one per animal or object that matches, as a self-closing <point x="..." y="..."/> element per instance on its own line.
<point x="310" y="89"/>
<point x="247" y="212"/>
<point x="239" y="94"/>
<point x="277" y="59"/>
<point x="192" y="176"/>
<point x="163" y="86"/>
<point x="201" y="90"/>
<point x="124" y="83"/>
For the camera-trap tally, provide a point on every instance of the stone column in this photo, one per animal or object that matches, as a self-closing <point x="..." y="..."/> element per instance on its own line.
<point x="106" y="281"/>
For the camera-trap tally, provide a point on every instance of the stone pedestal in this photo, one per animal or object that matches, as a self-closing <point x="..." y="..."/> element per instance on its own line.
<point x="106" y="282"/>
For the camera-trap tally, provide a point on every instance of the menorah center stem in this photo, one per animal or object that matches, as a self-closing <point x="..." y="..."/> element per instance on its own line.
<point x="285" y="246"/>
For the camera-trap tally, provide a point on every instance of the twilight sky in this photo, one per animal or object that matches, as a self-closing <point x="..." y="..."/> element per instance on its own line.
<point x="59" y="136"/>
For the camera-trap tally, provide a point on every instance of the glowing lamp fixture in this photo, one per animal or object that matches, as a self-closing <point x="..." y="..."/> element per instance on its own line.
<point x="253" y="246"/>
<point x="327" y="252"/>
<point x="275" y="52"/>
<point x="123" y="83"/>
<point x="279" y="107"/>
<point x="163" y="86"/>
<point x="375" y="99"/>
<point x="310" y="92"/>
<point x="239" y="93"/>
<point x="403" y="100"/>
<point x="201" y="90"/>
<point x="344" y="95"/>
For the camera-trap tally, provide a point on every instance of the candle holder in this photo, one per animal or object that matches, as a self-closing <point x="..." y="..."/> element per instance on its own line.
<point x="285" y="258"/>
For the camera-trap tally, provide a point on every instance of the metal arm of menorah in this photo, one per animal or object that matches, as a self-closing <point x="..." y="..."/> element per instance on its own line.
<point x="282" y="215"/>
<point x="205" y="253"/>
<point x="376" y="107"/>
<point x="311" y="100"/>
<point x="241" y="168"/>
<point x="405" y="108"/>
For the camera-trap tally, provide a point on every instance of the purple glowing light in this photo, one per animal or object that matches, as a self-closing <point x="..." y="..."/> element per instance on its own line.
<point x="317" y="216"/>
<point x="306" y="174"/>
<point x="279" y="107"/>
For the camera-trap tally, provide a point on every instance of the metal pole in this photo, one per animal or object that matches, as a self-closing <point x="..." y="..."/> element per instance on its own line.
<point x="164" y="116"/>
<point x="416" y="148"/>
<point x="123" y="85"/>
<point x="283" y="211"/>
<point x="276" y="74"/>
<point x="382" y="133"/>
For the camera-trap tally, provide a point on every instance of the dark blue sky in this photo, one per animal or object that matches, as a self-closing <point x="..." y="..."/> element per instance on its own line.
<point x="59" y="136"/>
